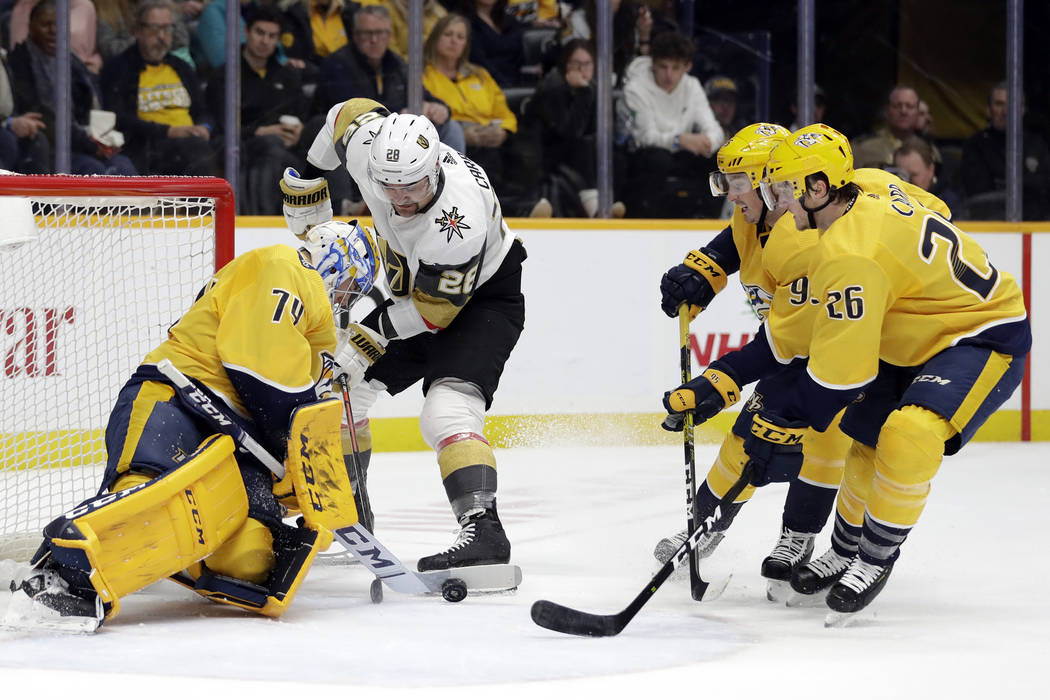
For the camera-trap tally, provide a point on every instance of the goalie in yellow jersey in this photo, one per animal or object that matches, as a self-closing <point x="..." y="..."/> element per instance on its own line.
<point x="916" y="334"/>
<point x="178" y="500"/>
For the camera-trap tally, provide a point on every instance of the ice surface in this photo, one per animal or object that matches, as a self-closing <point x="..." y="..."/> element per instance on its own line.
<point x="963" y="615"/>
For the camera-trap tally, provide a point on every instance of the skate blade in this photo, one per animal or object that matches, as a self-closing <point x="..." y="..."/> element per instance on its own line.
<point x="838" y="620"/>
<point x="485" y="578"/>
<point x="778" y="591"/>
<point x="25" y="615"/>
<point x="807" y="600"/>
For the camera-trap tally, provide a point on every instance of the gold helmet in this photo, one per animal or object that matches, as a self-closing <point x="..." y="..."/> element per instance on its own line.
<point x="746" y="152"/>
<point x="816" y="148"/>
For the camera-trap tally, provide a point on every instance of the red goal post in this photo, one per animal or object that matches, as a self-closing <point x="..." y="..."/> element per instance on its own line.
<point x="94" y="274"/>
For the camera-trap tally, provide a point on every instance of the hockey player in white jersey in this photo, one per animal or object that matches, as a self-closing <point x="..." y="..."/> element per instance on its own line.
<point x="454" y="273"/>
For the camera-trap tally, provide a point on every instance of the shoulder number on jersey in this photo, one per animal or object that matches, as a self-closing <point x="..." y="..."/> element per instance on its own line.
<point x="799" y="292"/>
<point x="846" y="304"/>
<point x="295" y="308"/>
<point x="965" y="274"/>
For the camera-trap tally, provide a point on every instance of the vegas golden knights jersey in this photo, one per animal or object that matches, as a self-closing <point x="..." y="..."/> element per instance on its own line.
<point x="435" y="259"/>
<point x="896" y="281"/>
<point x="260" y="335"/>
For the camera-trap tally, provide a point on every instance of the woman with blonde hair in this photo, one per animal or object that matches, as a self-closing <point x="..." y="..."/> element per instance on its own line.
<point x="477" y="102"/>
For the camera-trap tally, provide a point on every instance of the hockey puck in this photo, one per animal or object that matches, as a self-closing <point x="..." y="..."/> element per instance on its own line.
<point x="454" y="590"/>
<point x="375" y="591"/>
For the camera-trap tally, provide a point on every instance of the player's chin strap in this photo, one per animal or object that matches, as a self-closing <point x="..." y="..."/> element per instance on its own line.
<point x="810" y="212"/>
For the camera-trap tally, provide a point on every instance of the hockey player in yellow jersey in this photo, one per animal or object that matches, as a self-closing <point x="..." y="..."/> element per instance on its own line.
<point x="176" y="499"/>
<point x="917" y="334"/>
<point x="772" y="256"/>
<point x="455" y="311"/>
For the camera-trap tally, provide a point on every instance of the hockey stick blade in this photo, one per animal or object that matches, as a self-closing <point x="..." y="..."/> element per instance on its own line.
<point x="559" y="618"/>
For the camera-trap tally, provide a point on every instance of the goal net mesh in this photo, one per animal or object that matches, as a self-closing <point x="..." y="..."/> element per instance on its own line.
<point x="96" y="286"/>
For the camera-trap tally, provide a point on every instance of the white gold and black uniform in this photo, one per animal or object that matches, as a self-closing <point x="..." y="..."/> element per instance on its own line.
<point x="454" y="272"/>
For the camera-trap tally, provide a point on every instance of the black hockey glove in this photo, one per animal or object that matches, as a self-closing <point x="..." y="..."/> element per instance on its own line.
<point x="703" y="397"/>
<point x="774" y="448"/>
<point x="694" y="282"/>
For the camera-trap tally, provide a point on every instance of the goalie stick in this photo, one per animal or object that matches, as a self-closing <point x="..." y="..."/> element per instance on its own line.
<point x="570" y="621"/>
<point x="357" y="540"/>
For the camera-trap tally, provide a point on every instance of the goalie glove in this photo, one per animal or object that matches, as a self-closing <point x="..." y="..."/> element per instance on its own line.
<point x="306" y="202"/>
<point x="703" y="397"/>
<point x="774" y="448"/>
<point x="694" y="282"/>
<point x="357" y="349"/>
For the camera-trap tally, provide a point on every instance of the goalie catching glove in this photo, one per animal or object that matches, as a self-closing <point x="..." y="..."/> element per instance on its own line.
<point x="306" y="202"/>
<point x="703" y="397"/>
<point x="357" y="349"/>
<point x="774" y="448"/>
<point x="694" y="282"/>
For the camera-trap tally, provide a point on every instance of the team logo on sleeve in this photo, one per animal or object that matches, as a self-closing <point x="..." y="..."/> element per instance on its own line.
<point x="451" y="223"/>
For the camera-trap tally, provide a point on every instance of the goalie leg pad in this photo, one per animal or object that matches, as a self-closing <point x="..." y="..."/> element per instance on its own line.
<point x="294" y="550"/>
<point x="121" y="542"/>
<point x="247" y="555"/>
<point x="315" y="462"/>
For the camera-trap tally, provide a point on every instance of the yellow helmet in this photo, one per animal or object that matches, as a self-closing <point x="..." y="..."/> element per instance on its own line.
<point x="746" y="152"/>
<point x="816" y="148"/>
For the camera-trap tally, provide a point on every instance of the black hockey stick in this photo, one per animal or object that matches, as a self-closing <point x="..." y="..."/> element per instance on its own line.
<point x="697" y="586"/>
<point x="355" y="462"/>
<point x="569" y="621"/>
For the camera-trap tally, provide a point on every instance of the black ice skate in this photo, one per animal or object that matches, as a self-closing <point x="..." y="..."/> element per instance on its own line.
<point x="820" y="573"/>
<point x="481" y="540"/>
<point x="44" y="601"/>
<point x="791" y="551"/>
<point x="858" y="586"/>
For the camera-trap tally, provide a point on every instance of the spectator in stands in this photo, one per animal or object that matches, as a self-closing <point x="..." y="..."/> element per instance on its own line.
<point x="82" y="28"/>
<point x="674" y="131"/>
<point x="366" y="67"/>
<point x="271" y="113"/>
<point x="563" y="112"/>
<point x="924" y="123"/>
<point x="721" y="94"/>
<point x="24" y="147"/>
<point x="33" y="82"/>
<point x="819" y="106"/>
<point x="158" y="99"/>
<point x="209" y="41"/>
<point x="914" y="159"/>
<point x="496" y="40"/>
<point x="480" y="106"/>
<point x="432" y="12"/>
<point x="983" y="167"/>
<point x="536" y="13"/>
<point x="315" y="29"/>
<point x="632" y="30"/>
<point x="115" y="28"/>
<point x="902" y="120"/>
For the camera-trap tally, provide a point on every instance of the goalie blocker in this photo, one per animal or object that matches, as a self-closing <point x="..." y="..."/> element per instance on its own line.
<point x="177" y="524"/>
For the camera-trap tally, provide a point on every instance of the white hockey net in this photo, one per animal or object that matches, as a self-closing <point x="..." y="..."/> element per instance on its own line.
<point x="104" y="269"/>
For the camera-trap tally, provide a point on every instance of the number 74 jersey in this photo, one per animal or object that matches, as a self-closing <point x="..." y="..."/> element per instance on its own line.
<point x="897" y="282"/>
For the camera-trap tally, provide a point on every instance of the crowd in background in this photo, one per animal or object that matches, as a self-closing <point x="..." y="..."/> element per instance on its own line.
<point x="510" y="83"/>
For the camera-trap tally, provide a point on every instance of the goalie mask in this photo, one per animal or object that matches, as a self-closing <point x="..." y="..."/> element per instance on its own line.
<point x="403" y="161"/>
<point x="346" y="257"/>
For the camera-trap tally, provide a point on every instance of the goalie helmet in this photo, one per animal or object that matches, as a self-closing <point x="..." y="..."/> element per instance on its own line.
<point x="744" y="155"/>
<point x="345" y="256"/>
<point x="813" y="149"/>
<point x="403" y="160"/>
